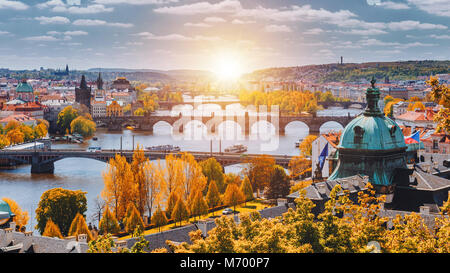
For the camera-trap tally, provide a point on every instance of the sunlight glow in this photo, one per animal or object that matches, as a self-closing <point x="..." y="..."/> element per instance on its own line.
<point x="228" y="66"/>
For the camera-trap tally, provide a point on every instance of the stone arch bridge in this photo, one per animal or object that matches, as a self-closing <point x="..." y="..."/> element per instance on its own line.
<point x="213" y="121"/>
<point x="42" y="161"/>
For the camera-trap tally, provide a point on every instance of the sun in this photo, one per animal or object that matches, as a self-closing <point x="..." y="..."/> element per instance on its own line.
<point x="228" y="66"/>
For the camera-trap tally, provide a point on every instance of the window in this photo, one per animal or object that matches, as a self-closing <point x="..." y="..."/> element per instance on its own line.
<point x="435" y="144"/>
<point x="359" y="133"/>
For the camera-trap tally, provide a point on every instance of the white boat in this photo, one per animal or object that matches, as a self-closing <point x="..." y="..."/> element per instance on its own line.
<point x="163" y="148"/>
<point x="237" y="148"/>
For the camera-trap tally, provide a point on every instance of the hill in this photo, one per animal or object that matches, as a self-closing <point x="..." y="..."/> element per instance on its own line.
<point x="353" y="72"/>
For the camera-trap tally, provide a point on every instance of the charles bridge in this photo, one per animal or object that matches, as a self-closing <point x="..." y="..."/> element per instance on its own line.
<point x="246" y="121"/>
<point x="42" y="161"/>
<point x="224" y="103"/>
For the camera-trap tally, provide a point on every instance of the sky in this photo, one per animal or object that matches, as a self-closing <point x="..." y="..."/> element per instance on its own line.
<point x="238" y="35"/>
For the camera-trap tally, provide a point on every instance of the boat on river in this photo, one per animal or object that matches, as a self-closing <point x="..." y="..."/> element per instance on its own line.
<point x="163" y="148"/>
<point x="237" y="148"/>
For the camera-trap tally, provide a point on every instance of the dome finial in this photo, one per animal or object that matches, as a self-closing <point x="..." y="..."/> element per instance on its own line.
<point x="373" y="81"/>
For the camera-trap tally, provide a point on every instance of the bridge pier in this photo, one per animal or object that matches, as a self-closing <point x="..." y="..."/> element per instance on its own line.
<point x="38" y="167"/>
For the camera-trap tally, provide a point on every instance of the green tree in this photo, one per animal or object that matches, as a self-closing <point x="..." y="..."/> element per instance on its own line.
<point x="61" y="206"/>
<point x="79" y="226"/>
<point x="279" y="184"/>
<point x="180" y="211"/>
<point x="213" y="195"/>
<point x="134" y="220"/>
<point x="65" y="118"/>
<point x="159" y="218"/>
<point x="246" y="189"/>
<point x="83" y="126"/>
<point x="108" y="223"/>
<point x="213" y="171"/>
<point x="141" y="245"/>
<point x="233" y="196"/>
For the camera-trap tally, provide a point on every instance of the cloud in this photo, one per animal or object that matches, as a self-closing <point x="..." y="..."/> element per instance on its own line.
<point x="226" y="6"/>
<point x="43" y="38"/>
<point x="90" y="22"/>
<point x="2" y="32"/>
<point x="364" y="32"/>
<point x="445" y="36"/>
<point x="16" y="5"/>
<point x="75" y="33"/>
<point x="313" y="31"/>
<point x="214" y="20"/>
<point x="60" y="6"/>
<point x="134" y="2"/>
<point x="52" y="20"/>
<point x="409" y="25"/>
<point x="176" y="37"/>
<point x="197" y="25"/>
<point x="242" y="22"/>
<point x="393" y="5"/>
<point x="436" y="7"/>
<point x="277" y="28"/>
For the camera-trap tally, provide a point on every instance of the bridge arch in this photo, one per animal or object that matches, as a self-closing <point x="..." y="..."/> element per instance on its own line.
<point x="331" y="126"/>
<point x="162" y="127"/>
<point x="262" y="128"/>
<point x="195" y="130"/>
<point x="296" y="127"/>
<point x="230" y="130"/>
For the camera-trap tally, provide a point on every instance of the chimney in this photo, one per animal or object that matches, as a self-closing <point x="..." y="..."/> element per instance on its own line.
<point x="27" y="240"/>
<point x="12" y="225"/>
<point x="82" y="238"/>
<point x="321" y="187"/>
<point x="121" y="244"/>
<point x="281" y="202"/>
<point x="70" y="238"/>
<point x="412" y="178"/>
<point x="202" y="225"/>
<point x="8" y="236"/>
<point x="425" y="210"/>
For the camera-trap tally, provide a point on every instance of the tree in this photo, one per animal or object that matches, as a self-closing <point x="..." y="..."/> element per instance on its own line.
<point x="40" y="131"/>
<point x="180" y="212"/>
<point x="440" y="93"/>
<point x="306" y="145"/>
<point x="140" y="245"/>
<point x="119" y="189"/>
<point x="233" y="196"/>
<point x="155" y="186"/>
<point x="21" y="217"/>
<point x="213" y="195"/>
<point x="52" y="230"/>
<point x="171" y="203"/>
<point x="159" y="218"/>
<point x="103" y="244"/>
<point x="134" y="220"/>
<point x="199" y="206"/>
<point x="213" y="171"/>
<point x="79" y="226"/>
<point x="279" y="184"/>
<point x="140" y="178"/>
<point x="259" y="170"/>
<point x="246" y="189"/>
<point x="65" y="118"/>
<point x="108" y="223"/>
<point x="27" y="132"/>
<point x="297" y="166"/>
<point x="83" y="126"/>
<point x="61" y="206"/>
<point x="4" y="141"/>
<point x="15" y="136"/>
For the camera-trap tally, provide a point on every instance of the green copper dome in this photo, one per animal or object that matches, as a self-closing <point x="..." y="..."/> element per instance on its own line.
<point x="4" y="207"/>
<point x="371" y="144"/>
<point x="24" y="87"/>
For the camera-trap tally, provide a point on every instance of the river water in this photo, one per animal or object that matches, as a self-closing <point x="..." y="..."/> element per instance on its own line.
<point x="86" y="174"/>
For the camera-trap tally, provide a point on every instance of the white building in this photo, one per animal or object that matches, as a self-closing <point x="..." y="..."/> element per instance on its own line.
<point x="332" y="139"/>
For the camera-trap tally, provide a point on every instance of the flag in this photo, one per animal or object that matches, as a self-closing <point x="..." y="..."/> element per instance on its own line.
<point x="414" y="138"/>
<point x="323" y="156"/>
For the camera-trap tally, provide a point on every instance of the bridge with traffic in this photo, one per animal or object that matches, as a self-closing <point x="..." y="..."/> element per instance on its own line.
<point x="42" y="161"/>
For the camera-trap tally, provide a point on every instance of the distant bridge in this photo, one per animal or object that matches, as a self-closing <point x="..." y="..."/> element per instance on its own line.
<point x="42" y="161"/>
<point x="224" y="103"/>
<point x="213" y="121"/>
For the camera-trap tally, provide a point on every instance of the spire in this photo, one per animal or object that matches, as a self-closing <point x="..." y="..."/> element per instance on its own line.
<point x="372" y="98"/>
<point x="83" y="84"/>
<point x="99" y="81"/>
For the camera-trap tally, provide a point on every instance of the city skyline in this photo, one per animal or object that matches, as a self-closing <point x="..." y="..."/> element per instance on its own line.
<point x="235" y="36"/>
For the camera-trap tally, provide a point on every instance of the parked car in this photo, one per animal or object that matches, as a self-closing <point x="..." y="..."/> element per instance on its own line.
<point x="227" y="211"/>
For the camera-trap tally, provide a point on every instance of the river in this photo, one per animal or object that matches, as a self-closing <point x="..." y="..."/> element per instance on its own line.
<point x="86" y="174"/>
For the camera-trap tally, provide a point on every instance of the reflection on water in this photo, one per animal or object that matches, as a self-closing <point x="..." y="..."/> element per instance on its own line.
<point x="86" y="174"/>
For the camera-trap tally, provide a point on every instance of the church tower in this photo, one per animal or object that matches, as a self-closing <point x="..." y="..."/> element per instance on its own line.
<point x="83" y="93"/>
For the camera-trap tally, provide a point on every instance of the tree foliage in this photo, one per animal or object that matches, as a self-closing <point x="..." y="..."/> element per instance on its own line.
<point x="52" y="230"/>
<point x="108" y="223"/>
<point x="61" y="206"/>
<point x="21" y="217"/>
